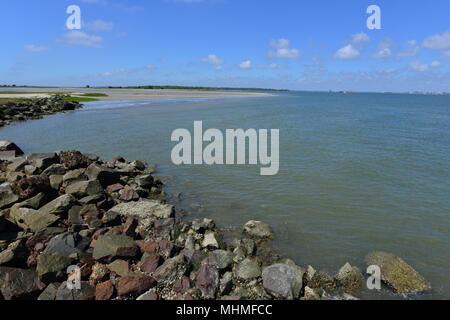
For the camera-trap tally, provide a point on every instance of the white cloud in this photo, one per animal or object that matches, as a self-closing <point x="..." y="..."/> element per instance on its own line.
<point x="214" y="60"/>
<point x="423" y="67"/>
<point x="352" y="50"/>
<point x="281" y="49"/>
<point x="446" y="54"/>
<point x="437" y="41"/>
<point x="360" y="40"/>
<point x="384" y="50"/>
<point x="79" y="38"/>
<point x="246" y="65"/>
<point x="276" y="66"/>
<point x="347" y="53"/>
<point x="411" y="51"/>
<point x="435" y="64"/>
<point x="35" y="48"/>
<point x="98" y="25"/>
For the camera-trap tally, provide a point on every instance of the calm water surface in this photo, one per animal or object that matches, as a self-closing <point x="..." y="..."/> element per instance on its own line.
<point x="358" y="172"/>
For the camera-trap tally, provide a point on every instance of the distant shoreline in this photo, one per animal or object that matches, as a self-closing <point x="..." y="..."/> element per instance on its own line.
<point x="113" y="94"/>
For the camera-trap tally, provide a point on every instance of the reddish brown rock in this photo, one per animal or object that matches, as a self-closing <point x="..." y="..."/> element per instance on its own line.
<point x="104" y="291"/>
<point x="150" y="263"/>
<point x="149" y="247"/>
<point x="128" y="194"/>
<point x="134" y="284"/>
<point x="182" y="285"/>
<point x="114" y="188"/>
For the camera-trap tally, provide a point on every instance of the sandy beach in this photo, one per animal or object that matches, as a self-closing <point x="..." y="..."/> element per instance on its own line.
<point x="131" y="94"/>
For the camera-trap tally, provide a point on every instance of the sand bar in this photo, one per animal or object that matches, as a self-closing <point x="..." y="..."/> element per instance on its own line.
<point x="132" y="94"/>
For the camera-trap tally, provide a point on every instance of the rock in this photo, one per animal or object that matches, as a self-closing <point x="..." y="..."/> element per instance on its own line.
<point x="62" y="245"/>
<point x="7" y="197"/>
<point x="74" y="176"/>
<point x="134" y="284"/>
<point x="84" y="188"/>
<point x="120" y="267"/>
<point x="34" y="203"/>
<point x="213" y="241"/>
<point x="194" y="258"/>
<point x="171" y="270"/>
<point x="283" y="281"/>
<point x="310" y="294"/>
<point x="74" y="160"/>
<point x="247" y="270"/>
<point x="42" y="160"/>
<point x="149" y="295"/>
<point x="55" y="169"/>
<point x="17" y="165"/>
<point x="144" y="209"/>
<point x="223" y="259"/>
<point x="104" y="291"/>
<point x="60" y="205"/>
<point x="74" y="215"/>
<point x="114" y="246"/>
<point x="104" y="175"/>
<point x="30" y="186"/>
<point x="349" y="277"/>
<point x="226" y="284"/>
<point x="258" y="229"/>
<point x="128" y="194"/>
<point x="182" y="285"/>
<point x="150" y="262"/>
<point x="52" y="267"/>
<point x="309" y="274"/>
<point x="49" y="294"/>
<point x="114" y="188"/>
<point x="35" y="220"/>
<point x="56" y="181"/>
<point x="99" y="273"/>
<point x="322" y="280"/>
<point x="145" y="181"/>
<point x="349" y="297"/>
<point x="15" y="254"/>
<point x="10" y="146"/>
<point x="396" y="273"/>
<point x="19" y="284"/>
<point x="30" y="170"/>
<point x="87" y="292"/>
<point x="207" y="280"/>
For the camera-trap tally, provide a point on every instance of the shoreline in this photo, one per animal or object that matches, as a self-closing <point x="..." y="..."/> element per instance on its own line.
<point x="111" y="220"/>
<point x="129" y="94"/>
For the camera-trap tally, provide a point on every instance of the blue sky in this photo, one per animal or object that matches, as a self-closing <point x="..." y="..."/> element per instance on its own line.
<point x="301" y="45"/>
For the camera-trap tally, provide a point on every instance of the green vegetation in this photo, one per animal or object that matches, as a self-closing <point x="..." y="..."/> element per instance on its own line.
<point x="92" y="95"/>
<point x="80" y="99"/>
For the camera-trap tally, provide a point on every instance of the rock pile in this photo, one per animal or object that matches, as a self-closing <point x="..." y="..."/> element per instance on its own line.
<point x="106" y="223"/>
<point x="29" y="109"/>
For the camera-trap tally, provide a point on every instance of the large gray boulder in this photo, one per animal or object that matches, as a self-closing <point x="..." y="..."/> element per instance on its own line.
<point x="247" y="270"/>
<point x="396" y="273"/>
<point x="258" y="230"/>
<point x="84" y="188"/>
<point x="103" y="174"/>
<point x="7" y="196"/>
<point x="349" y="277"/>
<point x="19" y="284"/>
<point x="42" y="160"/>
<point x="108" y="247"/>
<point x="283" y="281"/>
<point x="34" y="220"/>
<point x="60" y="205"/>
<point x="145" y="209"/>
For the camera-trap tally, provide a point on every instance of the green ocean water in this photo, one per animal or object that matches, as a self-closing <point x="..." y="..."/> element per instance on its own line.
<point x="358" y="172"/>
